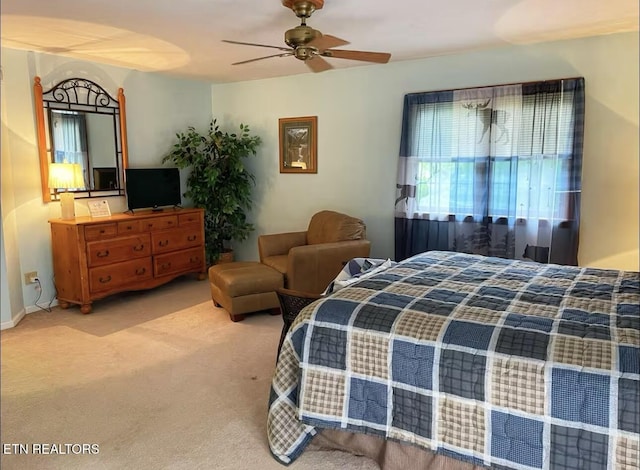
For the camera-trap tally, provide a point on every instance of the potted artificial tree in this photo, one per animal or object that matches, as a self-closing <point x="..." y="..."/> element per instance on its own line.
<point x="218" y="182"/>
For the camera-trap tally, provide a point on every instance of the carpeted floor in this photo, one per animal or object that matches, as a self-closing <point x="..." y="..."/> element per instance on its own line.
<point x="153" y="380"/>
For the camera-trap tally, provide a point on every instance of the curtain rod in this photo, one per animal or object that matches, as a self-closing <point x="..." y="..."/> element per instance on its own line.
<point x="499" y="84"/>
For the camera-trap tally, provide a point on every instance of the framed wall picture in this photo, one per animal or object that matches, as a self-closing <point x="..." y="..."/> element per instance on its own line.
<point x="298" y="144"/>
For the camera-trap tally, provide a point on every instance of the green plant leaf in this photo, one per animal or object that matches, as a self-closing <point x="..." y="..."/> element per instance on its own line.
<point x="218" y="181"/>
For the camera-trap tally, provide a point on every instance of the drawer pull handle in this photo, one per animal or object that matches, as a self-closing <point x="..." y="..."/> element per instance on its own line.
<point x="194" y="260"/>
<point x="165" y="265"/>
<point x="102" y="230"/>
<point x="163" y="242"/>
<point x="104" y="280"/>
<point x="139" y="247"/>
<point x="192" y="237"/>
<point x="129" y="227"/>
<point x="141" y="271"/>
<point x="102" y="254"/>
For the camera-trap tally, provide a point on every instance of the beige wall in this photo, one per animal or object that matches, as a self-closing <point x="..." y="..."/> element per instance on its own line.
<point x="359" y="114"/>
<point x="11" y="303"/>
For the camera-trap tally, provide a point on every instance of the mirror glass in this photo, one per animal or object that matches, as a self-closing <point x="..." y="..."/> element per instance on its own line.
<point x="87" y="139"/>
<point x="79" y="122"/>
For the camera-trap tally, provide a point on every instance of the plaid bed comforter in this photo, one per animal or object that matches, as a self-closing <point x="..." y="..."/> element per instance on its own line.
<point x="503" y="363"/>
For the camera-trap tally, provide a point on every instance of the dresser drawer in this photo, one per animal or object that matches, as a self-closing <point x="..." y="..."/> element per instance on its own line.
<point x="129" y="226"/>
<point x="179" y="261"/>
<point x="189" y="219"/>
<point x="120" y="274"/>
<point x="100" y="231"/>
<point x="100" y="253"/>
<point x="160" y="223"/>
<point x="171" y="240"/>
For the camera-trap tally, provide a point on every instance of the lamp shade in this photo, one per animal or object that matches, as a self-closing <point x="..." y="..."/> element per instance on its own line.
<point x="65" y="176"/>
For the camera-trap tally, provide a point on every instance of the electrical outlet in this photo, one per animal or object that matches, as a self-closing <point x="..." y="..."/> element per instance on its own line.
<point x="30" y="277"/>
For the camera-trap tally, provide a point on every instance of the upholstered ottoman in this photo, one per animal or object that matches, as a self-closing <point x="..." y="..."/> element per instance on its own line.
<point x="244" y="287"/>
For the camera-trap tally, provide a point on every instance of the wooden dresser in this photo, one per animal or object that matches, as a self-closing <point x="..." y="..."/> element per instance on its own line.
<point x="97" y="257"/>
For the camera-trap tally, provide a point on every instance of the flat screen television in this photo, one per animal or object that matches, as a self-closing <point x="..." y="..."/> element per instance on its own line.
<point x="152" y="187"/>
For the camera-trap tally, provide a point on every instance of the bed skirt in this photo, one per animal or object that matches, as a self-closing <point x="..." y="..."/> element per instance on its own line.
<point x="390" y="455"/>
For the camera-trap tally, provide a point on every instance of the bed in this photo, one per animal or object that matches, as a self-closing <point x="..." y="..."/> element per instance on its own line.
<point x="481" y="361"/>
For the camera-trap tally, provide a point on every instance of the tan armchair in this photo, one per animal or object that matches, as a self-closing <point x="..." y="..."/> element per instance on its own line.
<point x="310" y="260"/>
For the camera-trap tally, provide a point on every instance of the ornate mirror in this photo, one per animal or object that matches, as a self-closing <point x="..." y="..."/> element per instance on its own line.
<point x="80" y="123"/>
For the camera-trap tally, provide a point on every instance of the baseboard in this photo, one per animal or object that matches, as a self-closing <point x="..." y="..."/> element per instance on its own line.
<point x="13" y="322"/>
<point x="30" y="309"/>
<point x="35" y="308"/>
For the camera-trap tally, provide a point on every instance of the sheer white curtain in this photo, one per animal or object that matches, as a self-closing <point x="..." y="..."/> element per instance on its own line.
<point x="69" y="140"/>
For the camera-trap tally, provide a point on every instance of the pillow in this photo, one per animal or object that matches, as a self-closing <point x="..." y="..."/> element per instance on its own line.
<point x="356" y="269"/>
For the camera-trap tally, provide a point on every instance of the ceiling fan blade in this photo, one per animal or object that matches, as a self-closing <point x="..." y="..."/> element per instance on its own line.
<point x="318" y="64"/>
<point x="378" y="57"/>
<point x="261" y="58"/>
<point x="326" y="41"/>
<point x="254" y="44"/>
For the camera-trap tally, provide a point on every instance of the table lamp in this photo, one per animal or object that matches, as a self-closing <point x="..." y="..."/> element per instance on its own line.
<point x="66" y="176"/>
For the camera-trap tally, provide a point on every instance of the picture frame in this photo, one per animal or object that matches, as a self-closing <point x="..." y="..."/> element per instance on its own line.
<point x="298" y="137"/>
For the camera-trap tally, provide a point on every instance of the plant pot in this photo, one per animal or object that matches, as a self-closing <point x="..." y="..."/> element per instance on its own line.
<point x="225" y="257"/>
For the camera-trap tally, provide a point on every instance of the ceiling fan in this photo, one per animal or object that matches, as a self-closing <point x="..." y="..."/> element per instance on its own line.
<point x="310" y="45"/>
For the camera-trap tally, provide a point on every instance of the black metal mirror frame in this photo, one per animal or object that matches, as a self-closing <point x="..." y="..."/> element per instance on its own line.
<point x="79" y="94"/>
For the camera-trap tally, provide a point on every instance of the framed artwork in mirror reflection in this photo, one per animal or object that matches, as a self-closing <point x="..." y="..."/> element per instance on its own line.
<point x="298" y="138"/>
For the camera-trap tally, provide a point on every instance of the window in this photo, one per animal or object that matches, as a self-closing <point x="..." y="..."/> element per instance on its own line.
<point x="509" y="153"/>
<point x="457" y="166"/>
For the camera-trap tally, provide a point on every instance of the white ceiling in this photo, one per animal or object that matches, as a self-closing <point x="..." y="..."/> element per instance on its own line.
<point x="183" y="37"/>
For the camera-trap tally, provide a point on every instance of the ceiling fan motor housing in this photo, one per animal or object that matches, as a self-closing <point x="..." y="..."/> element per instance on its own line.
<point x="301" y="35"/>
